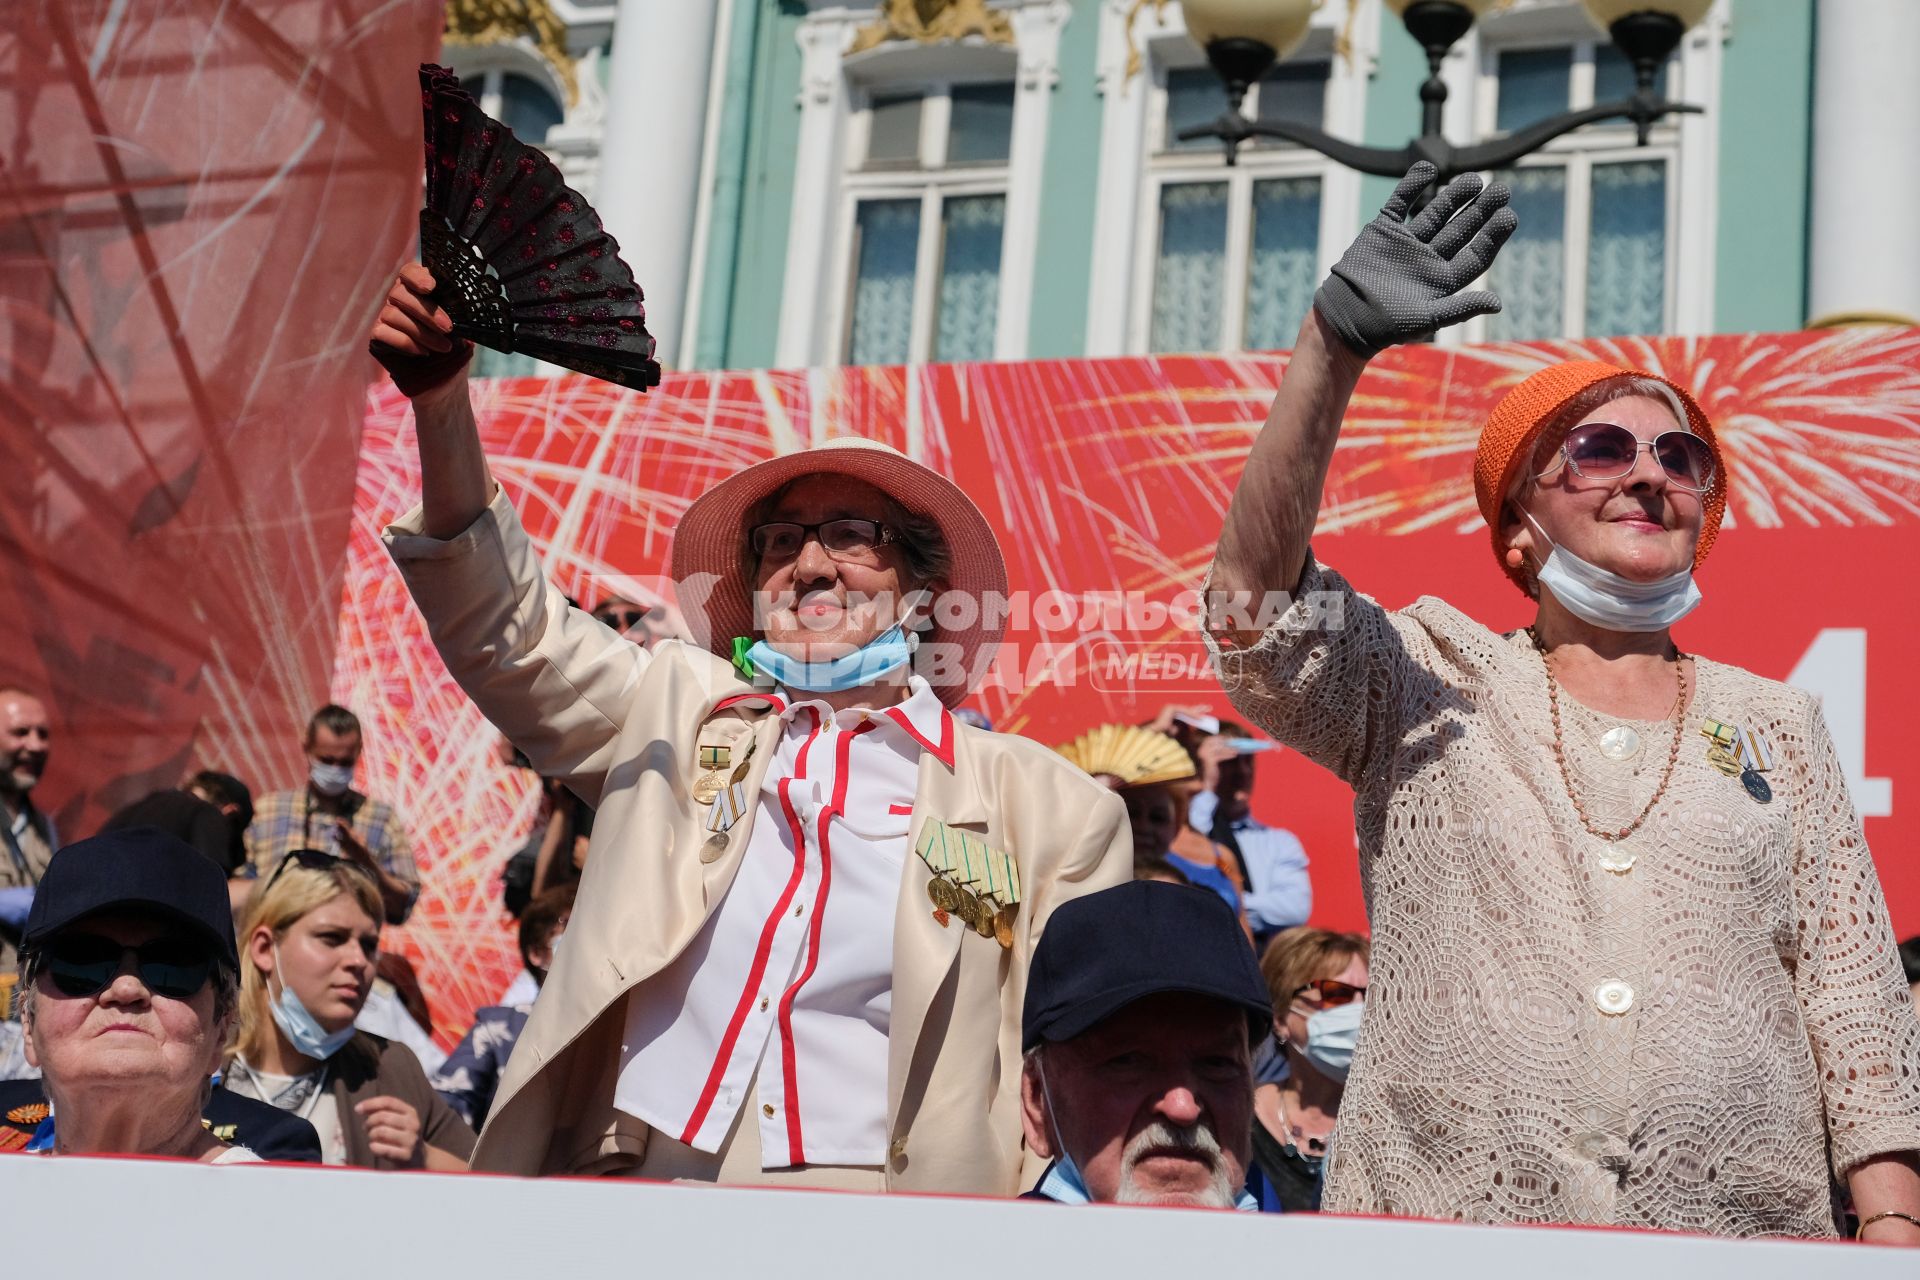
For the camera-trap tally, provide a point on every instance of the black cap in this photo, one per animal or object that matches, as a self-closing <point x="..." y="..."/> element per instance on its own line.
<point x="1102" y="952"/>
<point x="237" y="793"/>
<point x="138" y="869"/>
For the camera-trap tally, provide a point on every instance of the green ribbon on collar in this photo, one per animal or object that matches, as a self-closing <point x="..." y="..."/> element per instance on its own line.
<point x="741" y="662"/>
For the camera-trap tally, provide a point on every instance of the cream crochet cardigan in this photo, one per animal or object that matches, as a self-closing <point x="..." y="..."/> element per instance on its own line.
<point x="1692" y="1042"/>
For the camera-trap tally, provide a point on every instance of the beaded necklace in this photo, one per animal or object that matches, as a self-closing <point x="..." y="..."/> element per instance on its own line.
<point x="1677" y="716"/>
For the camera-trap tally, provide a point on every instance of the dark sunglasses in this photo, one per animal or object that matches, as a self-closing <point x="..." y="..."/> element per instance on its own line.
<point x="1607" y="451"/>
<point x="85" y="964"/>
<point x="625" y="619"/>
<point x="1334" y="994"/>
<point x="316" y="860"/>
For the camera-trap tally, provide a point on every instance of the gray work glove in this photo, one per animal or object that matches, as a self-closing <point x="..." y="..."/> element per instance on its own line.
<point x="1401" y="279"/>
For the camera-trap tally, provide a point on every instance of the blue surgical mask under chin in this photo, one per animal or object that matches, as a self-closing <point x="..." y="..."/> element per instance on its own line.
<point x="885" y="653"/>
<point x="1063" y="1182"/>
<point x="302" y="1030"/>
<point x="1602" y="598"/>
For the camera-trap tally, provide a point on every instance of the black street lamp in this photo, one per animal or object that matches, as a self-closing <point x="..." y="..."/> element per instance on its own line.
<point x="1244" y="38"/>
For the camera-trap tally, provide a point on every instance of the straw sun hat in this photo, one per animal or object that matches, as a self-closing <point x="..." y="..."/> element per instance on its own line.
<point x="712" y="539"/>
<point x="1507" y="443"/>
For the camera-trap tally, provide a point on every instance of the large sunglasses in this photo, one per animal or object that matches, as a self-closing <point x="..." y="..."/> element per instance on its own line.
<point x="317" y="860"/>
<point x="85" y="964"/>
<point x="1333" y="994"/>
<point x="847" y="539"/>
<point x="1607" y="451"/>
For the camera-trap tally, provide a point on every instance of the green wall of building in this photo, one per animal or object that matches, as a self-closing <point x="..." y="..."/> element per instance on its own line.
<point x="1063" y="265"/>
<point x="1766" y="152"/>
<point x="749" y="292"/>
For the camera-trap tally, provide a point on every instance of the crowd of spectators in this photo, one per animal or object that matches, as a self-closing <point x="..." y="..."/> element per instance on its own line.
<point x="1232" y="1057"/>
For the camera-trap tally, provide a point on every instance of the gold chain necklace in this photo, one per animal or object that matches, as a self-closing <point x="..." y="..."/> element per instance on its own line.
<point x="1677" y="716"/>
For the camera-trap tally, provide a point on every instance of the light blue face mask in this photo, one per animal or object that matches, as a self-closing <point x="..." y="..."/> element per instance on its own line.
<point x="886" y="652"/>
<point x="1603" y="598"/>
<point x="302" y="1030"/>
<point x="1331" y="1037"/>
<point x="1063" y="1182"/>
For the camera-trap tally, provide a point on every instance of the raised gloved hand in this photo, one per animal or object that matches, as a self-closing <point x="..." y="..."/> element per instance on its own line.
<point x="1401" y="278"/>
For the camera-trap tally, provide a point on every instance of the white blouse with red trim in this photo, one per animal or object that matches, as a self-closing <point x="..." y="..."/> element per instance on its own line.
<point x="792" y="974"/>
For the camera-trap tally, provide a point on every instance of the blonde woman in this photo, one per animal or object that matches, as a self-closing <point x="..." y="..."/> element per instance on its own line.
<point x="308" y="946"/>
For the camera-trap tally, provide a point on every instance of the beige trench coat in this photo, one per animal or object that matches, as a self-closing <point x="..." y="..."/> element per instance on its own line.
<point x="621" y="728"/>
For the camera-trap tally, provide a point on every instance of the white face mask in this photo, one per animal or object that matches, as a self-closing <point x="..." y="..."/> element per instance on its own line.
<point x="330" y="779"/>
<point x="1331" y="1037"/>
<point x="1603" y="598"/>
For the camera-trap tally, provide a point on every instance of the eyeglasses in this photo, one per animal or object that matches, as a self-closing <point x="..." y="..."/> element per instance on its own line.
<point x="1333" y="994"/>
<point x="1607" y="451"/>
<point x="317" y="860"/>
<point x="85" y="964"/>
<point x="848" y="539"/>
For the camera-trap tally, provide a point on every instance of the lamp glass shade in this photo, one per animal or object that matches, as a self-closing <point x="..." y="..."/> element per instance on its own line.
<point x="1279" y="24"/>
<point x="1607" y="12"/>
<point x="1478" y="8"/>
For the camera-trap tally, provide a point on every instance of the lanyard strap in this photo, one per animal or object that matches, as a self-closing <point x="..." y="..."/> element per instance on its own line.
<point x="13" y="848"/>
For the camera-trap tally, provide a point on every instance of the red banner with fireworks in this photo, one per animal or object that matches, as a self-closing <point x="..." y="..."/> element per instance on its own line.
<point x="1107" y="481"/>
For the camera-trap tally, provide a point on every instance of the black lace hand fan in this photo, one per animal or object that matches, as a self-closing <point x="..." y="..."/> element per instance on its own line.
<point x="520" y="259"/>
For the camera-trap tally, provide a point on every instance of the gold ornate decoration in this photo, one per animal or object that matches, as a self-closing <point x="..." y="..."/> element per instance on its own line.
<point x="933" y="22"/>
<point x="1134" y="61"/>
<point x="484" y="22"/>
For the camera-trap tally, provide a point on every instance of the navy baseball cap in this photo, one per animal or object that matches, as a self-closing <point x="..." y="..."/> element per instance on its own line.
<point x="1102" y="952"/>
<point x="139" y="869"/>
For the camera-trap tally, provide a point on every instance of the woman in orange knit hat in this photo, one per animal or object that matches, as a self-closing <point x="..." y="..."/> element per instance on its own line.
<point x="1631" y="963"/>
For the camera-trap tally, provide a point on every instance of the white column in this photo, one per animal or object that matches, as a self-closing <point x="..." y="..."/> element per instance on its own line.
<point x="1866" y="186"/>
<point x="1116" y="213"/>
<point x="1036" y="30"/>
<point x="816" y="166"/>
<point x="649" y="179"/>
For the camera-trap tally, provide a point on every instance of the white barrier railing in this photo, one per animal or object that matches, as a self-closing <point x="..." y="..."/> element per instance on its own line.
<point x="158" y="1220"/>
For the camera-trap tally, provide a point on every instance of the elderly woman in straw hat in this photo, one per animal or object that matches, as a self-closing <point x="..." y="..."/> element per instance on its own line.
<point x="800" y="947"/>
<point x="1631" y="964"/>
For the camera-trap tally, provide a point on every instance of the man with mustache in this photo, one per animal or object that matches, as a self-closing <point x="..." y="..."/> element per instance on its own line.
<point x="27" y="839"/>
<point x="1142" y="1009"/>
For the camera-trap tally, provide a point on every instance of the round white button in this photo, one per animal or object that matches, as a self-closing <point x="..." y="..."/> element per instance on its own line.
<point x="1619" y="743"/>
<point x="1618" y="863"/>
<point x="1613" y="996"/>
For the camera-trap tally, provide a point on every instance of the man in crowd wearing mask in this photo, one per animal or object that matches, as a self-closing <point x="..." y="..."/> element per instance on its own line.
<point x="328" y="814"/>
<point x="26" y="833"/>
<point x="1318" y="981"/>
<point x="1137" y="1084"/>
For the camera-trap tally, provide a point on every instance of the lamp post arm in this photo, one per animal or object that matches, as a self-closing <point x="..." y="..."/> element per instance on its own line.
<point x="1501" y="152"/>
<point x="1234" y="129"/>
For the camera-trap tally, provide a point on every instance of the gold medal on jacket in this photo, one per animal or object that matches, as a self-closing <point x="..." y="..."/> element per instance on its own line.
<point x="1003" y="926"/>
<point x="708" y="785"/>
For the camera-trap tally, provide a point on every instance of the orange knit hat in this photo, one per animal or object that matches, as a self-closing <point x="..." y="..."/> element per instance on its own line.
<point x="1507" y="441"/>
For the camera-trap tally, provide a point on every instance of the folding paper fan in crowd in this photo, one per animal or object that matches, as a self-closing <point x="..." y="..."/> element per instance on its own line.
<point x="1132" y="756"/>
<point x="520" y="260"/>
